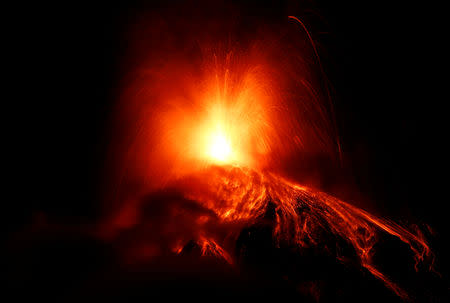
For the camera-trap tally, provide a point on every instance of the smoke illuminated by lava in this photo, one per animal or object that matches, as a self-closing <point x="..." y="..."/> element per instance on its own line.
<point x="214" y="129"/>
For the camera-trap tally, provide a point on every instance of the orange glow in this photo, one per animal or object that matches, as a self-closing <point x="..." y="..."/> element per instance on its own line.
<point x="218" y="138"/>
<point x="220" y="149"/>
<point x="234" y="107"/>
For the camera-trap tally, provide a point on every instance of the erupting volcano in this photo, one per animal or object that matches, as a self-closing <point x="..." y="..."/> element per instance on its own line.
<point x="207" y="143"/>
<point x="226" y="150"/>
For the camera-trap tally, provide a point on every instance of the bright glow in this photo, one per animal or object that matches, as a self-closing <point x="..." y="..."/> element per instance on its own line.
<point x="221" y="137"/>
<point x="220" y="148"/>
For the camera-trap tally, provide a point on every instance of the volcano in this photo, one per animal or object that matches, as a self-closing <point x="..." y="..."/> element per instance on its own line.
<point x="210" y="150"/>
<point x="203" y="144"/>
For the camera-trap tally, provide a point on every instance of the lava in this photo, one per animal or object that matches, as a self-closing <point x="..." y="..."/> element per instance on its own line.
<point x="241" y="195"/>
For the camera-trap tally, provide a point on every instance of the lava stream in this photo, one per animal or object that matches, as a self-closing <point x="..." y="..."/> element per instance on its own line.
<point x="240" y="196"/>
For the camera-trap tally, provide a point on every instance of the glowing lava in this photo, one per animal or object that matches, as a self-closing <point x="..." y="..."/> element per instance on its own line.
<point x="241" y="196"/>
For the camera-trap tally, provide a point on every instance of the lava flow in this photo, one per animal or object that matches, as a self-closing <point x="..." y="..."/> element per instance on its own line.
<point x="208" y="138"/>
<point x="240" y="196"/>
